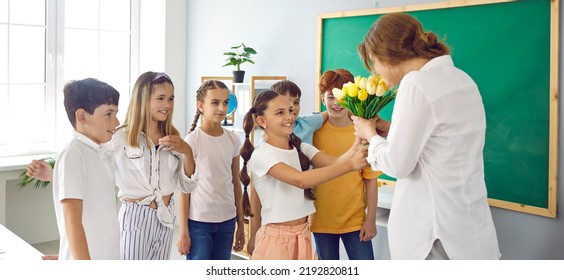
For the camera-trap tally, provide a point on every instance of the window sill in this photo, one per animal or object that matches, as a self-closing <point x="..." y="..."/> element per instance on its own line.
<point x="20" y="162"/>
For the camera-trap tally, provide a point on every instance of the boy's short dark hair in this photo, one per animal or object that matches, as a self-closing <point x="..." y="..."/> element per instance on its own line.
<point x="287" y="86"/>
<point x="87" y="94"/>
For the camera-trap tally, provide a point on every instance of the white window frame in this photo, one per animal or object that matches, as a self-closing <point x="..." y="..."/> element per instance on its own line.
<point x="54" y="60"/>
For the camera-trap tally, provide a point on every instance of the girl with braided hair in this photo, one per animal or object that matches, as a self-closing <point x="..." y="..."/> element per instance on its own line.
<point x="282" y="197"/>
<point x="209" y="213"/>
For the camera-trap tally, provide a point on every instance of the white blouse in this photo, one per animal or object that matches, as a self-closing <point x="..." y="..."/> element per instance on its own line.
<point x="149" y="173"/>
<point x="435" y="150"/>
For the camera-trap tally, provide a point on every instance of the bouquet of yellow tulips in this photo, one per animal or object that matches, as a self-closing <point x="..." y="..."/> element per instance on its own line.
<point x="366" y="96"/>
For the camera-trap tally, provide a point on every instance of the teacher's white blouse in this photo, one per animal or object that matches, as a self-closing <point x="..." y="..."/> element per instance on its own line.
<point x="434" y="149"/>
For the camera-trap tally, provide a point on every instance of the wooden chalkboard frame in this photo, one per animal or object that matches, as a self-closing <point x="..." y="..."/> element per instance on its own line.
<point x="550" y="210"/>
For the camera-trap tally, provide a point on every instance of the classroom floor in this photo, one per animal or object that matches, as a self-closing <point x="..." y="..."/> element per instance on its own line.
<point x="52" y="248"/>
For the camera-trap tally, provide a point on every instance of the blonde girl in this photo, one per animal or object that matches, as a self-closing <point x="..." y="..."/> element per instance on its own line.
<point x="282" y="198"/>
<point x="208" y="214"/>
<point x="152" y="162"/>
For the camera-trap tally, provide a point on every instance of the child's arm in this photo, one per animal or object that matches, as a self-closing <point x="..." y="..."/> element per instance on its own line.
<point x="177" y="144"/>
<point x="256" y="220"/>
<point x="240" y="233"/>
<point x="322" y="159"/>
<point x="72" y="212"/>
<point x="40" y="170"/>
<point x="184" y="242"/>
<point x="313" y="177"/>
<point x="189" y="163"/>
<point x="368" y="230"/>
<point x="185" y="170"/>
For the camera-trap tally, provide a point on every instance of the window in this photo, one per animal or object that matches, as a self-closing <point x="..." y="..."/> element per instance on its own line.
<point x="24" y="120"/>
<point x="44" y="44"/>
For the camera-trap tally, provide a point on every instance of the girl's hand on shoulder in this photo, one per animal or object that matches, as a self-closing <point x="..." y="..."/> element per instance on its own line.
<point x="40" y="170"/>
<point x="239" y="239"/>
<point x="175" y="143"/>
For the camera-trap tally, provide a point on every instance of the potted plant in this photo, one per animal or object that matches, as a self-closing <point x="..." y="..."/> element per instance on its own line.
<point x="239" y="55"/>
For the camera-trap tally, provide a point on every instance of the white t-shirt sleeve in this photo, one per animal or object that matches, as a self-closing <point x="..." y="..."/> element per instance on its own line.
<point x="236" y="143"/>
<point x="70" y="170"/>
<point x="309" y="150"/>
<point x="262" y="160"/>
<point x="266" y="157"/>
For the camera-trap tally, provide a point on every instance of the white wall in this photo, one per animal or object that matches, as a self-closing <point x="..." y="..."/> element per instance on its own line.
<point x="30" y="213"/>
<point x="284" y="34"/>
<point x="175" y="58"/>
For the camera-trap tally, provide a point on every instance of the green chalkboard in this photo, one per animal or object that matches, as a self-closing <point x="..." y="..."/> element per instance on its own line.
<point x="505" y="47"/>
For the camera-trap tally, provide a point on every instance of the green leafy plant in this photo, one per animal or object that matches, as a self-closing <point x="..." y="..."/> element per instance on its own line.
<point x="38" y="184"/>
<point x="239" y="55"/>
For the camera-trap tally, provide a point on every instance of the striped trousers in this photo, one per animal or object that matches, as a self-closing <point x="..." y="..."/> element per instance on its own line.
<point x="143" y="237"/>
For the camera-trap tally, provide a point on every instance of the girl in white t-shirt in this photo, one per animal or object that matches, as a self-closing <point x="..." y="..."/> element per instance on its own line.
<point x="281" y="197"/>
<point x="208" y="215"/>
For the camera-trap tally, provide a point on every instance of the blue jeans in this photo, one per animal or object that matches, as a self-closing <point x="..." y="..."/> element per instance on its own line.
<point x="211" y="241"/>
<point x="327" y="245"/>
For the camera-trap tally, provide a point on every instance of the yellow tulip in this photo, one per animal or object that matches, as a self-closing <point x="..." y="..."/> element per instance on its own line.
<point x="353" y="90"/>
<point x="371" y="85"/>
<point x="378" y="78"/>
<point x="338" y="93"/>
<point x="362" y="95"/>
<point x="362" y="83"/>
<point x="357" y="80"/>
<point x="381" y="88"/>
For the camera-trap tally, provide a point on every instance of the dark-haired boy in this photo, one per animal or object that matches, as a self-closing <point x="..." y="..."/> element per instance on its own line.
<point x="83" y="179"/>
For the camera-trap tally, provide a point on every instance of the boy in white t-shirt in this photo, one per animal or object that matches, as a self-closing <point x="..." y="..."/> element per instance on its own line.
<point x="83" y="179"/>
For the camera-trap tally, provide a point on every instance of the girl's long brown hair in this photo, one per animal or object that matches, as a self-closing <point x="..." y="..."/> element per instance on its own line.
<point x="139" y="111"/>
<point x="260" y="104"/>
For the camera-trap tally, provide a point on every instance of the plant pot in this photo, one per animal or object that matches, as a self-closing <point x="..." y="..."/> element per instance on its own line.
<point x="238" y="76"/>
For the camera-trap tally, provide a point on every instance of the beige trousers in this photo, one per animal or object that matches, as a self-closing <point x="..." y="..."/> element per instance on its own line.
<point x="278" y="242"/>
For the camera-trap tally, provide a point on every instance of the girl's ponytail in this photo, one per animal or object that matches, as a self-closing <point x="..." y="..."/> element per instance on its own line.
<point x="246" y="152"/>
<point x="304" y="162"/>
